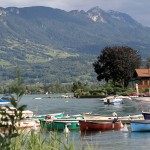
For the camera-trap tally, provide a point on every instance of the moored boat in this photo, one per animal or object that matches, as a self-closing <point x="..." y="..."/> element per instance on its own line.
<point x="59" y="124"/>
<point x="4" y="101"/>
<point x="114" y="100"/>
<point x="140" y="125"/>
<point x="27" y="123"/>
<point x="146" y="115"/>
<point x="72" y="123"/>
<point x="99" y="126"/>
<point x="123" y="119"/>
<point x="49" y="116"/>
<point x="10" y="111"/>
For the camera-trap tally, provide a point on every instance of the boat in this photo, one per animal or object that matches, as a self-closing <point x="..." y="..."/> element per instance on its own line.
<point x="38" y="98"/>
<point x="99" y="126"/>
<point x="146" y="115"/>
<point x="114" y="100"/>
<point x="25" y="113"/>
<point x="65" y="96"/>
<point x="4" y="101"/>
<point x="49" y="116"/>
<point x="27" y="123"/>
<point x="123" y="119"/>
<point x="72" y="123"/>
<point x="61" y="124"/>
<point x="140" y="125"/>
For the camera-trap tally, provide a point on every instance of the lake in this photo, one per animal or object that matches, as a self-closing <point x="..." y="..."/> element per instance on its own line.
<point x="109" y="140"/>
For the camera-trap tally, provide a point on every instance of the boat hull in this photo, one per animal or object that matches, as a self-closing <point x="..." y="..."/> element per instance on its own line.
<point x="140" y="126"/>
<point x="60" y="124"/>
<point x="99" y="126"/>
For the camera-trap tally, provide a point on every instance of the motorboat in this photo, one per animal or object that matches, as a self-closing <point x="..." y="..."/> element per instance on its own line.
<point x="114" y="100"/>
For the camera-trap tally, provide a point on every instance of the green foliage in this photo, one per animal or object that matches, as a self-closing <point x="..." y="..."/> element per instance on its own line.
<point x="39" y="141"/>
<point x="77" y="86"/>
<point x="56" y="70"/>
<point x="117" y="64"/>
<point x="53" y="49"/>
<point x="8" y="120"/>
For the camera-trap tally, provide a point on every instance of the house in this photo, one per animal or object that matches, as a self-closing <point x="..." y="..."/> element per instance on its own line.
<point x="142" y="78"/>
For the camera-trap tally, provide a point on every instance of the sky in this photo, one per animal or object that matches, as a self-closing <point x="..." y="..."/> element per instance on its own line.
<point x="137" y="9"/>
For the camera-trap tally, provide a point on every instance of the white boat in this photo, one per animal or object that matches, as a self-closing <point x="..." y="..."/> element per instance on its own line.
<point x="27" y="123"/>
<point x="25" y="113"/>
<point x="123" y="119"/>
<point x="38" y="98"/>
<point x="114" y="100"/>
<point x="65" y="96"/>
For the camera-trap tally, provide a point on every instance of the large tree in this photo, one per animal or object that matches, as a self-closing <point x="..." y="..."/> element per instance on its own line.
<point x="117" y="64"/>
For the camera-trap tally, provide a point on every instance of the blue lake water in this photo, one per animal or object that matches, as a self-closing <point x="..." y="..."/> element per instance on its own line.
<point x="109" y="140"/>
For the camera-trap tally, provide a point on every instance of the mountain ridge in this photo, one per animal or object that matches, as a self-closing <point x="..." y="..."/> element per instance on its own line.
<point x="38" y="36"/>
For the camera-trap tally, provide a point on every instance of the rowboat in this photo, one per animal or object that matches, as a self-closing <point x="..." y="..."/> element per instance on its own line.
<point x="22" y="124"/>
<point x="27" y="123"/>
<point x="146" y="115"/>
<point x="72" y="123"/>
<point x="99" y="126"/>
<point x="59" y="124"/>
<point x="10" y="111"/>
<point x="123" y="119"/>
<point x="49" y="116"/>
<point x="140" y="125"/>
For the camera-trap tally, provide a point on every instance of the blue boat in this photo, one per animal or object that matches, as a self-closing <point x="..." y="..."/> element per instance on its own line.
<point x="4" y="101"/>
<point x="140" y="125"/>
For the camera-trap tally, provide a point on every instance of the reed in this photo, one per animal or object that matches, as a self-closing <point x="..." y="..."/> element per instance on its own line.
<point x="40" y="141"/>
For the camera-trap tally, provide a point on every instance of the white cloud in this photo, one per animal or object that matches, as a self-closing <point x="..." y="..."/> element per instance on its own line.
<point x="138" y="9"/>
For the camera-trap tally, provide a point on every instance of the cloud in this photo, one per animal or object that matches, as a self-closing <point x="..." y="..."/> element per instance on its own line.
<point x="138" y="9"/>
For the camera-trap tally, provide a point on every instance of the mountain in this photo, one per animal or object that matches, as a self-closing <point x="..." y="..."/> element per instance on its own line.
<point x="52" y="45"/>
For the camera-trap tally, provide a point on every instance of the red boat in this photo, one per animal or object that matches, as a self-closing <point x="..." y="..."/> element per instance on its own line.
<point x="99" y="126"/>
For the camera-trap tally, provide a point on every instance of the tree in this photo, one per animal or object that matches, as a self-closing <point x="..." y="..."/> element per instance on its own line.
<point x="148" y="62"/>
<point x="76" y="86"/>
<point x="117" y="64"/>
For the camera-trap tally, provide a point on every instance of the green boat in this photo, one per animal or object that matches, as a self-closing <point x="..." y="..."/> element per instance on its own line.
<point x="49" y="116"/>
<point x="72" y="123"/>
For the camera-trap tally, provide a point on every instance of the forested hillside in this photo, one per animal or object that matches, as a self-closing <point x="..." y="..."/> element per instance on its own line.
<point x="52" y="45"/>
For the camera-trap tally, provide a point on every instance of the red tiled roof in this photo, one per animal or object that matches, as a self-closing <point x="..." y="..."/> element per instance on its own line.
<point x="143" y="72"/>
